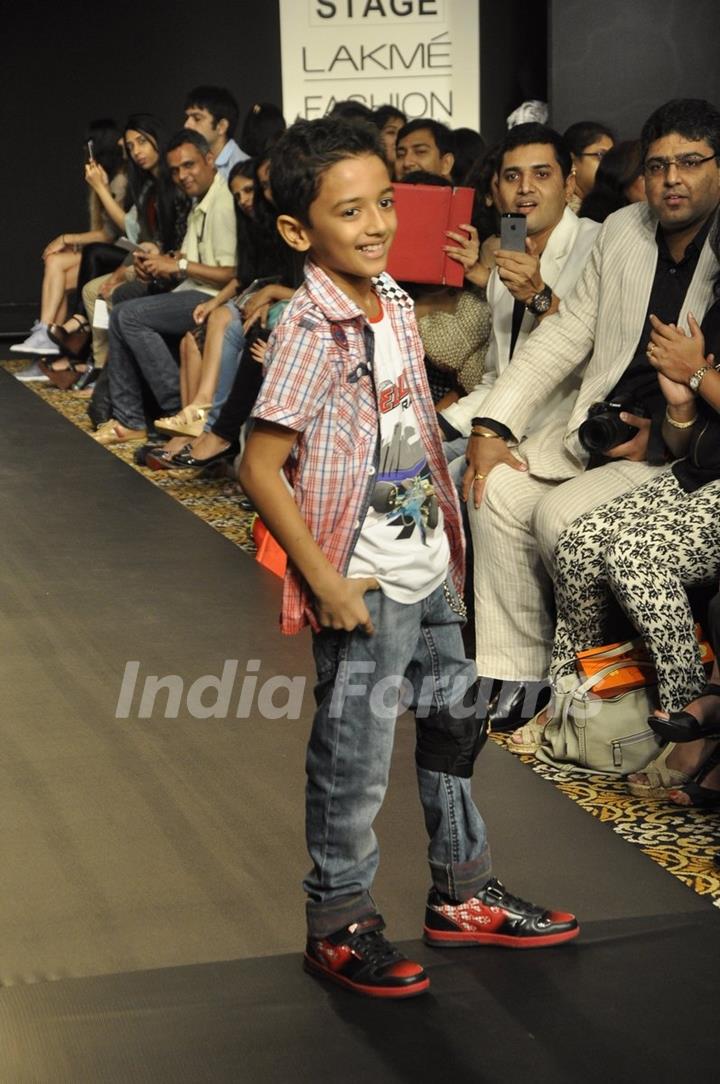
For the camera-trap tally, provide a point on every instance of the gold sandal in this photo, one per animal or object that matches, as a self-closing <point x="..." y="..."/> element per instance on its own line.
<point x="188" y="422"/>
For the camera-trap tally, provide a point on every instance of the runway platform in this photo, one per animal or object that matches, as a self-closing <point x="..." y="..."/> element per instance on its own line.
<point x="151" y="916"/>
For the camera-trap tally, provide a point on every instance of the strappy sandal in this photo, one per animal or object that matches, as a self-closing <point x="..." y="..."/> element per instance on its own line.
<point x="681" y="726"/>
<point x="530" y="734"/>
<point x="62" y="378"/>
<point x="188" y="422"/>
<point x="76" y="344"/>
<point x="659" y="778"/>
<point x="700" y="797"/>
<point x="109" y="433"/>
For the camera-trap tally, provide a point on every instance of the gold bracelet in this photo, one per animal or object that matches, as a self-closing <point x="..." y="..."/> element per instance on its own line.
<point x="679" y="425"/>
<point x="488" y="436"/>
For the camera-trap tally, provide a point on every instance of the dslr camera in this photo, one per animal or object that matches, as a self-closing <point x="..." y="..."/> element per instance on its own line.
<point x="603" y="428"/>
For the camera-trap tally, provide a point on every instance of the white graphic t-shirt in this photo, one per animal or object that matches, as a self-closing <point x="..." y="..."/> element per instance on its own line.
<point x="402" y="541"/>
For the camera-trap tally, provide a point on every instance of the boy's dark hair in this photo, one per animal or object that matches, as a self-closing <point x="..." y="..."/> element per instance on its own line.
<point x="585" y="132"/>
<point x="307" y="150"/>
<point x="442" y="135"/>
<point x="188" y="135"/>
<point x="522" y="135"/>
<point x="219" y="103"/>
<point x="693" y="118"/>
<point x="384" y="113"/>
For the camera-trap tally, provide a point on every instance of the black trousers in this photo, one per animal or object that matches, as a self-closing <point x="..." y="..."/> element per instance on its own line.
<point x="239" y="403"/>
<point x="97" y="259"/>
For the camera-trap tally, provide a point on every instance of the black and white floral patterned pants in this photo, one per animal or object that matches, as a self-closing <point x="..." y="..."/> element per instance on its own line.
<point x="644" y="547"/>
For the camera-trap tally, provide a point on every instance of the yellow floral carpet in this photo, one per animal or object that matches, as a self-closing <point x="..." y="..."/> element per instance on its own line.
<point x="684" y="842"/>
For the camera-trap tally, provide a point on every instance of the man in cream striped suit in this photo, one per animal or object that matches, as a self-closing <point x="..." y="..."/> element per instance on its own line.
<point x="649" y="258"/>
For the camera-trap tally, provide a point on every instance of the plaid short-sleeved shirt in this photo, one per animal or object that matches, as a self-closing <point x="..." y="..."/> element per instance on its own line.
<point x="319" y="382"/>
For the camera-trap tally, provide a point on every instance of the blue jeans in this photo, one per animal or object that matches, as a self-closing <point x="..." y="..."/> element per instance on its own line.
<point x="232" y="347"/>
<point x="138" y="352"/>
<point x="418" y="647"/>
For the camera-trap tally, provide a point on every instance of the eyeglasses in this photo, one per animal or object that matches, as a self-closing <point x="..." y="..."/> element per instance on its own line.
<point x="685" y="163"/>
<point x="592" y="154"/>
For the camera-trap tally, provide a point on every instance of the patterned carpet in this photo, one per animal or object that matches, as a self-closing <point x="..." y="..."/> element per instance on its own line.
<point x="684" y="842"/>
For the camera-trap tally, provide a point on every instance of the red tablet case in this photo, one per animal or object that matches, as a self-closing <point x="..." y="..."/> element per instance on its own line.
<point x="425" y="212"/>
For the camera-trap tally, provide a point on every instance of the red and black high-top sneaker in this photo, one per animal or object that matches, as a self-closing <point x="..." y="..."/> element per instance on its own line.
<point x="495" y="917"/>
<point x="361" y="959"/>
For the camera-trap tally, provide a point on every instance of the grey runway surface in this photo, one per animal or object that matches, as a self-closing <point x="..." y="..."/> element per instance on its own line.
<point x="151" y="916"/>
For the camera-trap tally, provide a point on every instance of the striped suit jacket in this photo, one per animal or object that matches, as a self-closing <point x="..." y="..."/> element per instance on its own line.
<point x="589" y="342"/>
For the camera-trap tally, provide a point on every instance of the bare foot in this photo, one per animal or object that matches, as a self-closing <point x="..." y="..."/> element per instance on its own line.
<point x="174" y="445"/>
<point x="208" y="444"/>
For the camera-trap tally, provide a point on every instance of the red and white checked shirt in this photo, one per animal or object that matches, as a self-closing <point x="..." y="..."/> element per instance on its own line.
<point x="319" y="382"/>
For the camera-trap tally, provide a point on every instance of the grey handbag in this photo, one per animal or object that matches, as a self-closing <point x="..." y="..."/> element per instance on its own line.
<point x="601" y="734"/>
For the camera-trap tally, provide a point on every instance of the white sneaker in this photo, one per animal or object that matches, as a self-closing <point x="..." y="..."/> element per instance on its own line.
<point x="33" y="372"/>
<point x="37" y="342"/>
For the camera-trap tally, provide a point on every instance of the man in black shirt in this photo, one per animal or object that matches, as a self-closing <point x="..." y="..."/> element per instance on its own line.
<point x="652" y="258"/>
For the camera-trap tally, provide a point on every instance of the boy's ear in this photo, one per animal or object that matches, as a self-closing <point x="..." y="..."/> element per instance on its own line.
<point x="293" y="233"/>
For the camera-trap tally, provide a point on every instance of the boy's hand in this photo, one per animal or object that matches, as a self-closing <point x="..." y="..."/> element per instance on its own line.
<point x="342" y="605"/>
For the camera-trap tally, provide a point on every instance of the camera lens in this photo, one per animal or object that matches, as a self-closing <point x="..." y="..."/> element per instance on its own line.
<point x="604" y="431"/>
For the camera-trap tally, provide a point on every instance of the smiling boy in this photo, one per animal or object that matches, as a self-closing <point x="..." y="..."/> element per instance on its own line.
<point x="375" y="553"/>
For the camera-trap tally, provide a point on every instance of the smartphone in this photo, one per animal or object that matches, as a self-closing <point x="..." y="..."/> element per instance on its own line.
<point x="91" y="150"/>
<point x="513" y="232"/>
<point x="128" y="245"/>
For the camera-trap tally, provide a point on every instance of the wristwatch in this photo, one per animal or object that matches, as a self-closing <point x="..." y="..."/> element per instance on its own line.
<point x="183" y="266"/>
<point x="696" y="379"/>
<point x="540" y="303"/>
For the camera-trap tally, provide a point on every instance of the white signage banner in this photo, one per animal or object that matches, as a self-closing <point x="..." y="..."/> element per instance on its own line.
<point x="422" y="56"/>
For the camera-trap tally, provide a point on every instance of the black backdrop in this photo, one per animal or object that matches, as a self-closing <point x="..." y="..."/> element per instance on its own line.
<point x="66" y="62"/>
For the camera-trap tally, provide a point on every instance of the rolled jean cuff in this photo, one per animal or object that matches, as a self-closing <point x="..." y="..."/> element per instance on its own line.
<point x="324" y="919"/>
<point x="461" y="881"/>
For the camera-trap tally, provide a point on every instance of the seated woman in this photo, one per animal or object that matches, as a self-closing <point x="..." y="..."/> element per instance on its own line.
<point x="62" y="256"/>
<point x="647" y="546"/>
<point x="155" y="221"/>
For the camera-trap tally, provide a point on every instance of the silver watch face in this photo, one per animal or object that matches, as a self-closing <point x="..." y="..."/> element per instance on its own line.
<point x="541" y="302"/>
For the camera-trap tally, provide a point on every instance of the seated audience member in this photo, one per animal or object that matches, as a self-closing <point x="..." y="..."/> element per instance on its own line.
<point x="227" y="375"/>
<point x="646" y="546"/>
<point x="588" y="143"/>
<point x="534" y="179"/>
<point x="454" y="324"/>
<point x="486" y="211"/>
<point x="389" y="120"/>
<point x="618" y="182"/>
<point x="62" y="256"/>
<point x="650" y="258"/>
<point x="138" y="350"/>
<point x="155" y="220"/>
<point x="262" y="127"/>
<point x="213" y="112"/>
<point x="424" y="144"/>
<point x="469" y="149"/>
<point x="697" y="728"/>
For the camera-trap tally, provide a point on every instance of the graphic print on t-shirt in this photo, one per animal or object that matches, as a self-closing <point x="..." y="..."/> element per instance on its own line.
<point x="402" y="541"/>
<point x="404" y="490"/>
